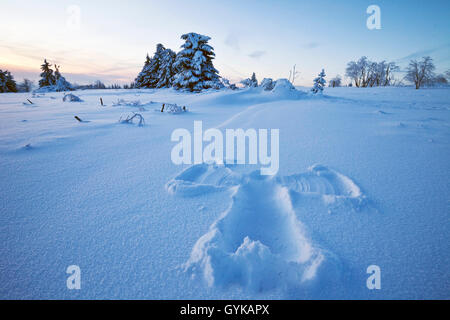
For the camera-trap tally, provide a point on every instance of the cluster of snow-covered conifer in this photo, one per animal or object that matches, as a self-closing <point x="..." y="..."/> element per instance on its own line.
<point x="7" y="83"/>
<point x="190" y="69"/>
<point x="52" y="81"/>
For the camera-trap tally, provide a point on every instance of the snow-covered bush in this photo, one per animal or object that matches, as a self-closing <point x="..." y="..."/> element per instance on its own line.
<point x="71" y="98"/>
<point x="267" y="84"/>
<point x="246" y="83"/>
<point x="227" y="84"/>
<point x="319" y="83"/>
<point x="250" y="82"/>
<point x="63" y="85"/>
<point x="193" y="65"/>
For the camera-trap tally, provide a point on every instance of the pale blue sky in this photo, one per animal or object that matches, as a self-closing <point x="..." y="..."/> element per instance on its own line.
<point x="266" y="37"/>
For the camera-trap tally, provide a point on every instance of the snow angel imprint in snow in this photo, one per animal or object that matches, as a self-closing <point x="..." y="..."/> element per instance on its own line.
<point x="259" y="243"/>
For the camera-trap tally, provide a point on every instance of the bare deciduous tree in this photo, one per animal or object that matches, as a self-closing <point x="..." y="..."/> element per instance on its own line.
<point x="420" y="72"/>
<point x="366" y="73"/>
<point x="293" y="74"/>
<point x="335" y="82"/>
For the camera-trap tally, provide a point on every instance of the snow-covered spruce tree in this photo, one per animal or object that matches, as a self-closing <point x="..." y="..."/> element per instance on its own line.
<point x="254" y="81"/>
<point x="319" y="83"/>
<point x="47" y="76"/>
<point x="140" y="78"/>
<point x="7" y="82"/>
<point x="148" y="77"/>
<point x="165" y="71"/>
<point x="61" y="83"/>
<point x="193" y="65"/>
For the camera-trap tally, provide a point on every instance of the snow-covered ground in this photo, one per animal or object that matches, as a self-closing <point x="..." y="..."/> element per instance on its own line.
<point x="363" y="180"/>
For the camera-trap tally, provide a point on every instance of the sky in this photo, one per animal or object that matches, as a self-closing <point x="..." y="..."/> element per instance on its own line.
<point x="109" y="39"/>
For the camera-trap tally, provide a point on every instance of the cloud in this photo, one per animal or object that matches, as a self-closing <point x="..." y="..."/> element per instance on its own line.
<point x="422" y="53"/>
<point x="76" y="65"/>
<point x="257" y="54"/>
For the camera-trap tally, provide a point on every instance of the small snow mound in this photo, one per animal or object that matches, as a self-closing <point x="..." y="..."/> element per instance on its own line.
<point x="283" y="85"/>
<point x="283" y="88"/>
<point x="71" y="98"/>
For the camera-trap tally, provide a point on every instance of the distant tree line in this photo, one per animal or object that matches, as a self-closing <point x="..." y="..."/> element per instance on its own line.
<point x="100" y="85"/>
<point x="192" y="69"/>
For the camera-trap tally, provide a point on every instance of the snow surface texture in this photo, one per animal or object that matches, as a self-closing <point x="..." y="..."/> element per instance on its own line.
<point x="94" y="194"/>
<point x="258" y="242"/>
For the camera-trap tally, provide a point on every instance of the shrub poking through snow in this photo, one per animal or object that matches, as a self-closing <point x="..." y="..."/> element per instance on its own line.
<point x="319" y="83"/>
<point x="123" y="102"/>
<point x="173" y="108"/>
<point x="131" y="118"/>
<point x="71" y="98"/>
